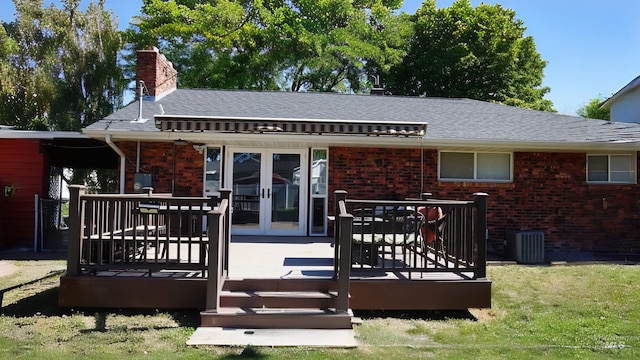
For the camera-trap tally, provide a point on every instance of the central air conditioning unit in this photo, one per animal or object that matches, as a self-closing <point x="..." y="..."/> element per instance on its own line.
<point x="526" y="247"/>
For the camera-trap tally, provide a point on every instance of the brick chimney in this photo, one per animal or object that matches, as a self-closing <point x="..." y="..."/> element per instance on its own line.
<point x="157" y="73"/>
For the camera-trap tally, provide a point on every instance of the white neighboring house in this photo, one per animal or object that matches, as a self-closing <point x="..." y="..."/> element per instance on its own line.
<point x="625" y="104"/>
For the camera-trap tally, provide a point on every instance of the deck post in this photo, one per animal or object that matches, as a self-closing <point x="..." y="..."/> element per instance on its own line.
<point x="75" y="228"/>
<point x="226" y="194"/>
<point x="339" y="195"/>
<point x="480" y="226"/>
<point x="212" y="302"/>
<point x="344" y="271"/>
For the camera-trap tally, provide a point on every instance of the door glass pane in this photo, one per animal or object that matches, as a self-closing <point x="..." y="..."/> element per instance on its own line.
<point x="212" y="171"/>
<point x="317" y="211"/>
<point x="285" y="191"/>
<point x="246" y="190"/>
<point x="319" y="172"/>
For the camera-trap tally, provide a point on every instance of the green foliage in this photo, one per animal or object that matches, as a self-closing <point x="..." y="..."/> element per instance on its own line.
<point x="59" y="66"/>
<point x="322" y="45"/>
<point x="479" y="53"/>
<point x="97" y="181"/>
<point x="592" y="110"/>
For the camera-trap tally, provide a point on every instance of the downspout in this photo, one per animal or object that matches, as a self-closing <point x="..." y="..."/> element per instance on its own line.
<point x="138" y="158"/>
<point x="122" y="160"/>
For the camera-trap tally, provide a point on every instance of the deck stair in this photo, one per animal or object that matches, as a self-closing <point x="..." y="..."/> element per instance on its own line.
<point x="278" y="304"/>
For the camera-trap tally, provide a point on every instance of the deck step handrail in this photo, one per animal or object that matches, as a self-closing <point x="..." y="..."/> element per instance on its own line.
<point x="219" y="241"/>
<point x="399" y="236"/>
<point x="342" y="261"/>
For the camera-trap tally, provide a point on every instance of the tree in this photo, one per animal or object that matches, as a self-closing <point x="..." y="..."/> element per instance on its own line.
<point x="479" y="53"/>
<point x="592" y="110"/>
<point x="296" y="45"/>
<point x="59" y="68"/>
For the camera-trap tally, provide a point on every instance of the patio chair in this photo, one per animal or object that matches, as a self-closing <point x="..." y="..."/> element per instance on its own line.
<point x="386" y="227"/>
<point x="433" y="227"/>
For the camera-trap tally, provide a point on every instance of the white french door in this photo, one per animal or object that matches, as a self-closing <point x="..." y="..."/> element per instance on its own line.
<point x="269" y="191"/>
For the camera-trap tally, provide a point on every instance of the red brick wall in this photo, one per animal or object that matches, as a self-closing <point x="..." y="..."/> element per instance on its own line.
<point x="158" y="159"/>
<point x="156" y="71"/>
<point x="549" y="192"/>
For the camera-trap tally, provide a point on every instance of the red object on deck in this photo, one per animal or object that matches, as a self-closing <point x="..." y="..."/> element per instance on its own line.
<point x="431" y="213"/>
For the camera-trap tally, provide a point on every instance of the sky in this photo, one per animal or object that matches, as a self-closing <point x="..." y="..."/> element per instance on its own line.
<point x="592" y="46"/>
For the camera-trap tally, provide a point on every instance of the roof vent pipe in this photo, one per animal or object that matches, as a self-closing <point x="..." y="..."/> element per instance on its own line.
<point x="377" y="89"/>
<point x="141" y="88"/>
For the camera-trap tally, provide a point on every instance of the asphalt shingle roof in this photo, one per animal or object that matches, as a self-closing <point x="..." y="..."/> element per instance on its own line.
<point x="458" y="119"/>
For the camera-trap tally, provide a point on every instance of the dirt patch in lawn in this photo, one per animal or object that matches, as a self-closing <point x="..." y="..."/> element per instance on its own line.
<point x="7" y="268"/>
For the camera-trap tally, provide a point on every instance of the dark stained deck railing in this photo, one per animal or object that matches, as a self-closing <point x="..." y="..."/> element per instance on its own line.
<point x="143" y="232"/>
<point x="159" y="234"/>
<point x="400" y="237"/>
<point x="219" y="232"/>
<point x="342" y="257"/>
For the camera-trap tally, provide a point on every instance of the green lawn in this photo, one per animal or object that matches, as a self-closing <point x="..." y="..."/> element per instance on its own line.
<point x="573" y="312"/>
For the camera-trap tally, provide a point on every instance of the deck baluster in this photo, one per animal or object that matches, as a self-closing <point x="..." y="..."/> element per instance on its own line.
<point x="480" y="200"/>
<point x="344" y="270"/>
<point x="76" y="223"/>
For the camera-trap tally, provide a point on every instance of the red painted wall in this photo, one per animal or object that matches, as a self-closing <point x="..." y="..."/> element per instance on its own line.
<point x="23" y="167"/>
<point x="549" y="192"/>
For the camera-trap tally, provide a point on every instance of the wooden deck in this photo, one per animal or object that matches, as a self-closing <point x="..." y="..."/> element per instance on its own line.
<point x="280" y="262"/>
<point x="158" y="251"/>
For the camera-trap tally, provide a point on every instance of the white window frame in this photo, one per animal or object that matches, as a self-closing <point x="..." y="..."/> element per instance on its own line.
<point x="322" y="196"/>
<point x="475" y="167"/>
<point x="633" y="169"/>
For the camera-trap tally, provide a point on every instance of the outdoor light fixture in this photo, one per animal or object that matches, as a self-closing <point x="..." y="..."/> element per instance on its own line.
<point x="199" y="148"/>
<point x="9" y="190"/>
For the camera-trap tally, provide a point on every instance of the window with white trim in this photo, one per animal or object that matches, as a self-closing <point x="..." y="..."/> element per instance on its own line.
<point x="475" y="166"/>
<point x="212" y="171"/>
<point x="611" y="168"/>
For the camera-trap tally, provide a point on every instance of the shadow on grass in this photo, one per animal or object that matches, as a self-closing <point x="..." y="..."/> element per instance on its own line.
<point x="45" y="303"/>
<point x="248" y="352"/>
<point x="415" y="314"/>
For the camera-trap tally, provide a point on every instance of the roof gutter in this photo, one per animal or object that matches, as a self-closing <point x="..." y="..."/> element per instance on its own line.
<point x="122" y="160"/>
<point x="333" y="140"/>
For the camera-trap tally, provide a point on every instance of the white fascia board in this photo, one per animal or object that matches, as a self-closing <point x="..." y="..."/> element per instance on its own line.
<point x="360" y="141"/>
<point x="30" y="134"/>
<point x="253" y="138"/>
<point x="564" y="146"/>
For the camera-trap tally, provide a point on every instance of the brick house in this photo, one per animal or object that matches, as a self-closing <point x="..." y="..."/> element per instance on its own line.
<point x="285" y="153"/>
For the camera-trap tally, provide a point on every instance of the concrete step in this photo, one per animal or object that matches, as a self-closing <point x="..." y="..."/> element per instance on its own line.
<point x="278" y="299"/>
<point x="269" y="318"/>
<point x="218" y="336"/>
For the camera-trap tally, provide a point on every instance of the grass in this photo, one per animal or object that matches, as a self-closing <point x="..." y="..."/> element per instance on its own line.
<point x="566" y="312"/>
